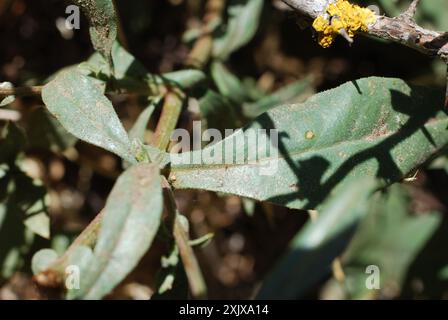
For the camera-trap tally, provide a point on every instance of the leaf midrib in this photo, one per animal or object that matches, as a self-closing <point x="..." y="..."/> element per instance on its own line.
<point x="292" y="154"/>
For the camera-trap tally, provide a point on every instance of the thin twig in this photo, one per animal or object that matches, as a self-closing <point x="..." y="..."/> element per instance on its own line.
<point x="21" y="91"/>
<point x="191" y="265"/>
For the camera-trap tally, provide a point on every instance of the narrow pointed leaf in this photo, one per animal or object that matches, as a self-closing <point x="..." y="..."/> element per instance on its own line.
<point x="228" y="84"/>
<point x="312" y="251"/>
<point x="282" y="96"/>
<point x="138" y="129"/>
<point x="4" y="101"/>
<point x="131" y="220"/>
<point x="130" y="72"/>
<point x="390" y="237"/>
<point x="185" y="78"/>
<point x="243" y="21"/>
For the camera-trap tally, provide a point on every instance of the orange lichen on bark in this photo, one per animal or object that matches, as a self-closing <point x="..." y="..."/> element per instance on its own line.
<point x="342" y="15"/>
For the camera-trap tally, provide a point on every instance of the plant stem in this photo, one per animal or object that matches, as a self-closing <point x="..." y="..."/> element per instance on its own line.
<point x="202" y="49"/>
<point x="22" y="91"/>
<point x="171" y="110"/>
<point x="191" y="265"/>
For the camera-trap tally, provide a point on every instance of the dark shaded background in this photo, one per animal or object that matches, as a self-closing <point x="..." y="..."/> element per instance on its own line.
<point x="245" y="246"/>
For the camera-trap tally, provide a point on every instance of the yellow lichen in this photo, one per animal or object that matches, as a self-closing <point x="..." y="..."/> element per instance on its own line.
<point x="342" y="15"/>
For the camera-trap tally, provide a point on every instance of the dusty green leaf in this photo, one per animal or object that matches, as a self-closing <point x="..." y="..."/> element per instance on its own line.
<point x="218" y="111"/>
<point x="39" y="223"/>
<point x="185" y="78"/>
<point x="45" y="132"/>
<point x="310" y="254"/>
<point x="156" y="156"/>
<point x="371" y="127"/>
<point x="42" y="259"/>
<point x="249" y="206"/>
<point x="81" y="258"/>
<point x="242" y="24"/>
<point x="138" y="129"/>
<point x="85" y="112"/>
<point x="20" y="198"/>
<point x="130" y="223"/>
<point x="103" y="25"/>
<point x="125" y="64"/>
<point x="443" y="274"/>
<point x="390" y="237"/>
<point x="440" y="163"/>
<point x="282" y="96"/>
<point x="61" y="242"/>
<point x="228" y="84"/>
<point x="131" y="73"/>
<point x="9" y="99"/>
<point x="12" y="142"/>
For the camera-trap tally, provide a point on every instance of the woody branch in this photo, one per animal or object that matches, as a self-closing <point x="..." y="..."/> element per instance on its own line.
<point x="402" y="29"/>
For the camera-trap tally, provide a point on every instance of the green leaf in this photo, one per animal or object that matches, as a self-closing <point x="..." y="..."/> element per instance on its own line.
<point x="155" y="155"/>
<point x="42" y="260"/>
<point x="390" y="237"/>
<point x="443" y="274"/>
<point x="185" y="78"/>
<point x="440" y="163"/>
<point x="228" y="84"/>
<point x="103" y="25"/>
<point x="12" y="142"/>
<point x="30" y="197"/>
<point x="129" y="72"/>
<point x="218" y="111"/>
<point x="9" y="99"/>
<point x="39" y="223"/>
<point x="138" y="129"/>
<point x="81" y="257"/>
<point x="20" y="199"/>
<point x="313" y="249"/>
<point x="432" y="14"/>
<point x="45" y="132"/>
<point x="282" y="96"/>
<point x="125" y="64"/>
<point x="85" y="112"/>
<point x="243" y="20"/>
<point x="131" y="220"/>
<point x="249" y="206"/>
<point x="371" y="127"/>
